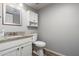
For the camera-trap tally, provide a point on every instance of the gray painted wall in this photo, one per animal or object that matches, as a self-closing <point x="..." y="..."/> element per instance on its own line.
<point x="23" y="28"/>
<point x="59" y="27"/>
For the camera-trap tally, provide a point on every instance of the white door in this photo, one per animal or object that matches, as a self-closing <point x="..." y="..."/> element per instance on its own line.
<point x="10" y="52"/>
<point x="26" y="49"/>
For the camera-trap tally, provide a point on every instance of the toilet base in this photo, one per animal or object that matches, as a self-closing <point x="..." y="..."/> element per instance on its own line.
<point x="40" y="52"/>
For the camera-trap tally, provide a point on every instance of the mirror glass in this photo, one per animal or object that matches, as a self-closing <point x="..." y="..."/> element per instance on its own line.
<point x="12" y="16"/>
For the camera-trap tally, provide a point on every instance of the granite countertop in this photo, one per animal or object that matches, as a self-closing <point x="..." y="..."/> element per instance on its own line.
<point x="11" y="38"/>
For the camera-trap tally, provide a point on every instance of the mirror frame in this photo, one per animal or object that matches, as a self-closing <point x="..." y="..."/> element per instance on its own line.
<point x="3" y="17"/>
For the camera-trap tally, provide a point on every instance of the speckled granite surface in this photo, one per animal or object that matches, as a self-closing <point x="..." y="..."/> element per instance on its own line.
<point x="11" y="38"/>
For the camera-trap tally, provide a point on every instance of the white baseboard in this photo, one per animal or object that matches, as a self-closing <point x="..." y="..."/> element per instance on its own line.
<point x="54" y="52"/>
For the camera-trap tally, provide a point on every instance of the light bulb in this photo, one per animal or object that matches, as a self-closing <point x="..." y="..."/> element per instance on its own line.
<point x="20" y="4"/>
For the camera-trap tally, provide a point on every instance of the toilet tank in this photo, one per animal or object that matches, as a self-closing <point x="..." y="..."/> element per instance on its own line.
<point x="35" y="35"/>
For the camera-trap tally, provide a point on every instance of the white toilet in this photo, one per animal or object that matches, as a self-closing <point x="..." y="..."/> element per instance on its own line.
<point x="38" y="44"/>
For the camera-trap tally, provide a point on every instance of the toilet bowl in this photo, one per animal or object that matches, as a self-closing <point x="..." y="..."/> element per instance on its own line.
<point x="39" y="44"/>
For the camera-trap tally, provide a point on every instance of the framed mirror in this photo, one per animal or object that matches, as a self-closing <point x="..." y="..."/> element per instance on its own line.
<point x="11" y="15"/>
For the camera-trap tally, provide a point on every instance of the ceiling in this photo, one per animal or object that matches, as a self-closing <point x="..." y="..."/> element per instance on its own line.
<point x="37" y="6"/>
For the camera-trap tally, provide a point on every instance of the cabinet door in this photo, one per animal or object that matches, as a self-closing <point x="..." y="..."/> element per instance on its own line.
<point x="26" y="49"/>
<point x="0" y="13"/>
<point x="10" y="52"/>
<point x="32" y="18"/>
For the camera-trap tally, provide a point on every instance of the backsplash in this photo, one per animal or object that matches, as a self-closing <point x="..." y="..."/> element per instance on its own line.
<point x="13" y="33"/>
<point x="17" y="33"/>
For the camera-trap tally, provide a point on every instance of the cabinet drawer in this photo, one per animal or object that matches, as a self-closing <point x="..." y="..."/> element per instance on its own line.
<point x="7" y="45"/>
<point x="10" y="52"/>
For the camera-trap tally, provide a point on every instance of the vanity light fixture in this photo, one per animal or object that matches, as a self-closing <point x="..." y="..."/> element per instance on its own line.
<point x="20" y="4"/>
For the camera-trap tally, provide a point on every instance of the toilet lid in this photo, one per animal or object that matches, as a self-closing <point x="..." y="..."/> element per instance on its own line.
<point x="39" y="43"/>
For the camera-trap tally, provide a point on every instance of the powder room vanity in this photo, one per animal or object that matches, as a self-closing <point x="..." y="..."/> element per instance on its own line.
<point x="16" y="46"/>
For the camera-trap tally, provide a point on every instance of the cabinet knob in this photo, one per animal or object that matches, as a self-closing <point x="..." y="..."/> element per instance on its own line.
<point x="17" y="48"/>
<point x="22" y="47"/>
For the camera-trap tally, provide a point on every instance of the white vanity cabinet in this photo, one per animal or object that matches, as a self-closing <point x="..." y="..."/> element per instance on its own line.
<point x="22" y="47"/>
<point x="32" y="18"/>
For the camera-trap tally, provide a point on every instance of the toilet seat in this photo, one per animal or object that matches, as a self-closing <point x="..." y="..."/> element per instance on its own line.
<point x="39" y="43"/>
